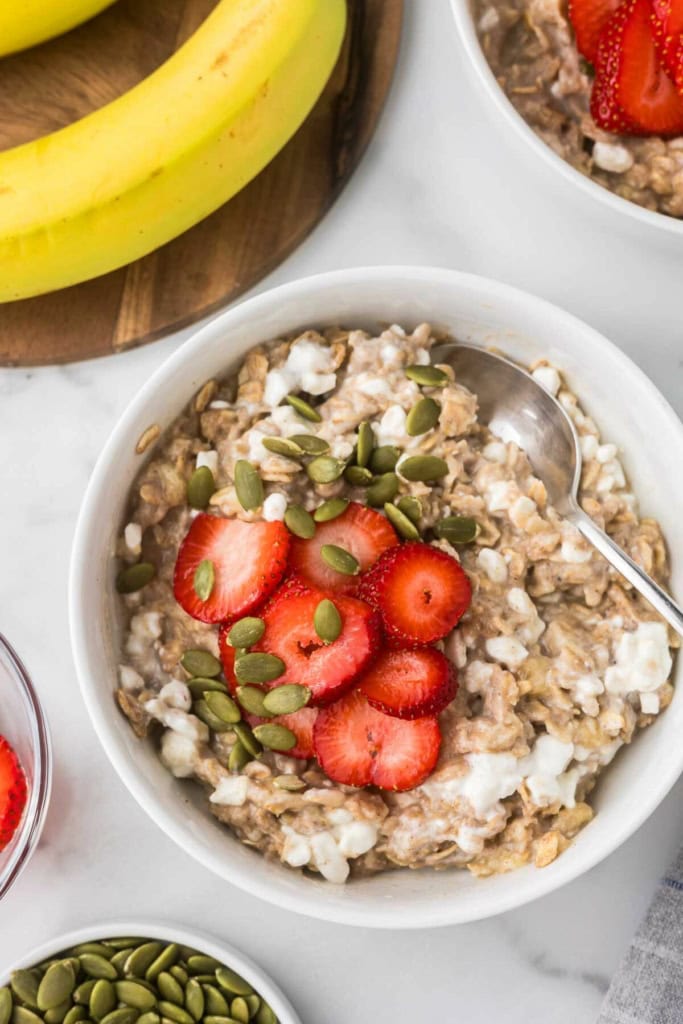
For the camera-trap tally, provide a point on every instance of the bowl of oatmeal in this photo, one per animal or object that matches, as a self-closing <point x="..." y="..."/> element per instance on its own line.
<point x="506" y="776"/>
<point x="525" y="57"/>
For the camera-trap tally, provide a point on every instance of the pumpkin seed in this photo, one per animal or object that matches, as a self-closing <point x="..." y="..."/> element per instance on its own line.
<point x="231" y="982"/>
<point x="218" y="1020"/>
<point x="427" y="376"/>
<point x="175" y="1013"/>
<point x="423" y="416"/>
<point x="324" y="469"/>
<point x="204" y="579"/>
<point x="199" y="963"/>
<point x="179" y="973"/>
<point x="247" y="739"/>
<point x="134" y="994"/>
<point x="385" y="488"/>
<point x="201" y="663"/>
<point x="149" y="1018"/>
<point x="194" y="999"/>
<point x="357" y="476"/>
<point x="22" y="1015"/>
<point x="275" y="737"/>
<point x="300" y="522"/>
<point x="384" y="458"/>
<point x="223" y="707"/>
<point x="285" y="700"/>
<point x="246" y="632"/>
<point x="283" y="446"/>
<point x="142" y="958"/>
<point x="200" y="487"/>
<point x="327" y="621"/>
<point x="366" y="443"/>
<point x="251" y="699"/>
<point x="339" y="559"/>
<point x="216" y="1004"/>
<point x="198" y="687"/>
<point x="119" y="959"/>
<point x="425" y="468"/>
<point x="265" y="1015"/>
<point x="96" y="966"/>
<point x="238" y="759"/>
<point x="253" y="1002"/>
<point x="56" y="1014"/>
<point x="169" y="989"/>
<point x="290" y="783"/>
<point x="122" y="943"/>
<point x="258" y="668"/>
<point x="124" y="1015"/>
<point x="92" y="947"/>
<point x="6" y="1004"/>
<point x="311" y="444"/>
<point x="410" y="506"/>
<point x="330" y="509"/>
<point x="103" y="999"/>
<point x="304" y="410"/>
<point x="75" y="1014"/>
<point x="84" y="991"/>
<point x="239" y="1010"/>
<point x="135" y="577"/>
<point x="248" y="485"/>
<point x="457" y="529"/>
<point x="400" y="522"/>
<point x="56" y="986"/>
<point x="202" y="710"/>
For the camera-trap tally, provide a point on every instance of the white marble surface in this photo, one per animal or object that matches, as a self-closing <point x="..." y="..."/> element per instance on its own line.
<point x="439" y="185"/>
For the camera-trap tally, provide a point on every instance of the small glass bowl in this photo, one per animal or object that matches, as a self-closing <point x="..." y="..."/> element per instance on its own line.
<point x="23" y="724"/>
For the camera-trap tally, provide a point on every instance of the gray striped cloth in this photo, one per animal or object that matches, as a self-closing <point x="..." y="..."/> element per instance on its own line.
<point x="648" y="986"/>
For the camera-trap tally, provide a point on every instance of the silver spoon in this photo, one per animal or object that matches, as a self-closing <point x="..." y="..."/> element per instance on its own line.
<point x="517" y="408"/>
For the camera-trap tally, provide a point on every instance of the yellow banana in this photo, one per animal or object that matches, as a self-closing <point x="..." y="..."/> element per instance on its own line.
<point x="25" y="23"/>
<point x="135" y="174"/>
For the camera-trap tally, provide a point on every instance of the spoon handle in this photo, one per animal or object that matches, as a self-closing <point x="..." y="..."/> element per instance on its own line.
<point x="650" y="590"/>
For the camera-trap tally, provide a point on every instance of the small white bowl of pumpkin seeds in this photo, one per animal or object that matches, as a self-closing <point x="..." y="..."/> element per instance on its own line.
<point x="123" y="973"/>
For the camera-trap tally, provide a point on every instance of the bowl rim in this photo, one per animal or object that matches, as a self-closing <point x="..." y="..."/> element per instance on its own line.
<point x="166" y="931"/>
<point x="448" y="912"/>
<point x="35" y="812"/>
<point x="464" y="21"/>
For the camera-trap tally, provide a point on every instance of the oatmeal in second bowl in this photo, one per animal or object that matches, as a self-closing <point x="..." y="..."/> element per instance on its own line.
<point x="352" y="632"/>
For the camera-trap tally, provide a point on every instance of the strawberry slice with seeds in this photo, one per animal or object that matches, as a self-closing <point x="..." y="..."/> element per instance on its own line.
<point x="410" y="683"/>
<point x="359" y="746"/>
<point x="13" y="792"/>
<point x="588" y="18"/>
<point x="361" y="531"/>
<point x="328" y="669"/>
<point x="245" y="562"/>
<point x="632" y="92"/>
<point x="666" y="17"/>
<point x="420" y="592"/>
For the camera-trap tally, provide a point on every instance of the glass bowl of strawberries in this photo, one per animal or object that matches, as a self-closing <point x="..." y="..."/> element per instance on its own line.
<point x="25" y="767"/>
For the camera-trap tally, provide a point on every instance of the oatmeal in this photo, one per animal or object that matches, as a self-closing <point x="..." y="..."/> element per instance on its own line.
<point x="531" y="48"/>
<point x="558" y="660"/>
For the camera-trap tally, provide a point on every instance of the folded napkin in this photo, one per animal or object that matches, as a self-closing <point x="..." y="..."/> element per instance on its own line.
<point x="648" y="986"/>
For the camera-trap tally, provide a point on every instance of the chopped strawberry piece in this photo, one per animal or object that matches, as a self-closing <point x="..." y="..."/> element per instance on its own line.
<point x="328" y="669"/>
<point x="13" y="792"/>
<point x="410" y="684"/>
<point x="359" y="530"/>
<point x="419" y="591"/>
<point x="248" y="559"/>
<point x="667" y="23"/>
<point x="359" y="746"/>
<point x="588" y="18"/>
<point x="632" y="92"/>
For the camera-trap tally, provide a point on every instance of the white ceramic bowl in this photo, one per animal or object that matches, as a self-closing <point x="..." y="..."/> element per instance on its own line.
<point x="472" y="309"/>
<point x="166" y="932"/>
<point x="641" y="218"/>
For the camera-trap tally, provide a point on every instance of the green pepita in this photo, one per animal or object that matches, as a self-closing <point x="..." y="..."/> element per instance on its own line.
<point x="357" y="476"/>
<point x="247" y="739"/>
<point x="253" y="1002"/>
<point x="410" y="506"/>
<point x="427" y="376"/>
<point x="311" y="444"/>
<point x="96" y="966"/>
<point x="258" y="668"/>
<point x="457" y="529"/>
<point x="135" y="577"/>
<point x="365" y="444"/>
<point x="204" y="713"/>
<point x="6" y="1004"/>
<point x="330" y="509"/>
<point x="103" y="999"/>
<point x="199" y="963"/>
<point x="238" y="759"/>
<point x="383" y="489"/>
<point x="304" y="410"/>
<point x="24" y="985"/>
<point x="251" y="699"/>
<point x="22" y="1015"/>
<point x="327" y="621"/>
<point x="124" y="1015"/>
<point x="204" y="579"/>
<point x="424" y="468"/>
<point x="265" y="1015"/>
<point x="149" y="1018"/>
<point x="289" y="783"/>
<point x="125" y="942"/>
<point x="56" y="986"/>
<point x="134" y="994"/>
<point x="248" y="485"/>
<point x="201" y="663"/>
<point x="223" y="706"/>
<point x="285" y="700"/>
<point x="56" y="1014"/>
<point x="84" y="991"/>
<point x="75" y="1014"/>
<point x="179" y="973"/>
<point x="141" y="958"/>
<point x="119" y="958"/>
<point x="100" y="948"/>
<point x="175" y="1013"/>
<point x="198" y="687"/>
<point x="200" y="487"/>
<point x="215" y="1002"/>
<point x="246" y="632"/>
<point x="194" y="1000"/>
<point x="231" y="982"/>
<point x="300" y="522"/>
<point x="283" y="446"/>
<point x="404" y="527"/>
<point x="211" y="1019"/>
<point x="169" y="989"/>
<point x="239" y="1010"/>
<point x="384" y="459"/>
<point x="275" y="737"/>
<point x="339" y="559"/>
<point x="423" y="417"/>
<point x="325" y="469"/>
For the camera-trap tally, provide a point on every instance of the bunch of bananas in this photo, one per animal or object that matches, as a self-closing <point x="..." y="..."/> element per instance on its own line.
<point x="131" y="176"/>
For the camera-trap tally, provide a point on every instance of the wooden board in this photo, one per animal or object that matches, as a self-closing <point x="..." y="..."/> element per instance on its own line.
<point x="54" y="84"/>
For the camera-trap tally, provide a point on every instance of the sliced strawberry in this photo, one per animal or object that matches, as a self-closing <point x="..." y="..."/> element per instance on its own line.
<point x="13" y="792"/>
<point x="667" y="23"/>
<point x="359" y="530"/>
<point x="588" y="18"/>
<point x="410" y="684"/>
<point x="328" y="669"/>
<point x="419" y="591"/>
<point x="249" y="560"/>
<point x="358" y="746"/>
<point x="632" y="92"/>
